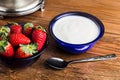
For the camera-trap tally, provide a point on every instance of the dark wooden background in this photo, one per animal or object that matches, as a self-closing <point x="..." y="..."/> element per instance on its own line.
<point x="108" y="11"/>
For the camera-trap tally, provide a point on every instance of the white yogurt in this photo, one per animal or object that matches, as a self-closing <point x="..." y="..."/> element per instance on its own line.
<point x="76" y="29"/>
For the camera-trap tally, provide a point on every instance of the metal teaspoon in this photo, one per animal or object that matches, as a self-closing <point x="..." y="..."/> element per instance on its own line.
<point x="58" y="63"/>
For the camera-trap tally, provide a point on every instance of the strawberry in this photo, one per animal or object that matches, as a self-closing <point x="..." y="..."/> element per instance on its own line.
<point x="27" y="29"/>
<point x="4" y="32"/>
<point x="18" y="38"/>
<point x="39" y="36"/>
<point x="15" y="28"/>
<point x="6" y="49"/>
<point x="25" y="51"/>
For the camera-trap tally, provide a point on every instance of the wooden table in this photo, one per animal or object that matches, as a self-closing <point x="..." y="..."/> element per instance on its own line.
<point x="108" y="11"/>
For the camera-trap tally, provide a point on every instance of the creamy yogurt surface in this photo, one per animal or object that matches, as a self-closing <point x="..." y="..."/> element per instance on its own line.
<point x="76" y="29"/>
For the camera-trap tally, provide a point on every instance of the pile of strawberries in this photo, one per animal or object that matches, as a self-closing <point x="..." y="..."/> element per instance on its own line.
<point x="21" y="41"/>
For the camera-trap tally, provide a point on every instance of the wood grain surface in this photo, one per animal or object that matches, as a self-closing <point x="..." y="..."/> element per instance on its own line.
<point x="108" y="11"/>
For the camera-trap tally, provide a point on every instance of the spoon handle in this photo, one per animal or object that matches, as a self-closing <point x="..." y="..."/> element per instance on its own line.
<point x="97" y="58"/>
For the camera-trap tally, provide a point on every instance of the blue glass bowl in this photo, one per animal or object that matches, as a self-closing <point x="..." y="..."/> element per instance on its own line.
<point x="76" y="48"/>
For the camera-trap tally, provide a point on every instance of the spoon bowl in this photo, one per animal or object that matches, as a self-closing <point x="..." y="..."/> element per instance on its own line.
<point x="56" y="63"/>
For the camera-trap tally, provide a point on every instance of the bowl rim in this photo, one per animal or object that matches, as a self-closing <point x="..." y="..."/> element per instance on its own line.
<point x="97" y="21"/>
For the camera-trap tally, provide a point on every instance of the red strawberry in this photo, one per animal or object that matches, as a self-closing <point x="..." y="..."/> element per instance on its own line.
<point x="18" y="38"/>
<point x="27" y="29"/>
<point x="6" y="49"/>
<point x="25" y="51"/>
<point x="4" y="32"/>
<point x="15" y="28"/>
<point x="35" y="25"/>
<point x="39" y="36"/>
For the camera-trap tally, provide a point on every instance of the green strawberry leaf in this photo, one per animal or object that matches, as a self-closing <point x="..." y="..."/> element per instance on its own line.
<point x="4" y="30"/>
<point x="40" y="27"/>
<point x="2" y="49"/>
<point x="29" y="48"/>
<point x="3" y="45"/>
<point x="12" y="23"/>
<point x="28" y="25"/>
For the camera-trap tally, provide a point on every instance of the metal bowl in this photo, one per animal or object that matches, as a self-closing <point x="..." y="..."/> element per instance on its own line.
<point x="19" y="7"/>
